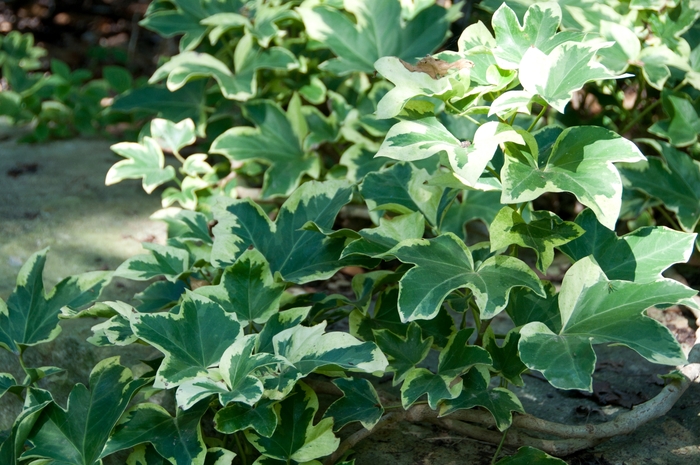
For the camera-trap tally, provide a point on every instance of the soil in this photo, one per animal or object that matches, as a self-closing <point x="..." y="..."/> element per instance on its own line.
<point x="54" y="195"/>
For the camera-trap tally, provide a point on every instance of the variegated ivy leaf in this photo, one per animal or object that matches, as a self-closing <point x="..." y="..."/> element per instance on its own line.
<point x="13" y="444"/>
<point x="682" y="126"/>
<point x="163" y="260"/>
<point x="171" y="136"/>
<point x="276" y="324"/>
<point x="596" y="310"/>
<point x="238" y="417"/>
<point x="673" y="179"/>
<point x="557" y="75"/>
<point x="184" y="224"/>
<point x="506" y="361"/>
<point x="185" y="194"/>
<point x="144" y="160"/>
<point x="239" y="85"/>
<point x="311" y="348"/>
<point x="273" y="142"/>
<point x="374" y="241"/>
<point x="542" y="233"/>
<point x="238" y="382"/>
<point x="474" y="205"/>
<point x="360" y="402"/>
<point x="30" y="315"/>
<point x="530" y="456"/>
<point x="444" y="264"/>
<point x="193" y="336"/>
<point x="297" y="255"/>
<point x="7" y="381"/>
<point x="401" y="189"/>
<point x="476" y="393"/>
<point x="412" y="83"/>
<point x="425" y="137"/>
<point x="640" y="256"/>
<point x="376" y="32"/>
<point x="539" y="31"/>
<point x="403" y="352"/>
<point x="456" y="358"/>
<point x="116" y="330"/>
<point x="247" y="289"/>
<point x="577" y="160"/>
<point x="179" y="439"/>
<point x="78" y="434"/>
<point x="296" y="437"/>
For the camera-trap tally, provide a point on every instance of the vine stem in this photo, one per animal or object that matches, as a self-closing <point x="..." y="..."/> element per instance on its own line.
<point x="498" y="449"/>
<point x="669" y="219"/>
<point x="476" y="423"/>
<point x="539" y="116"/>
<point x="647" y="110"/>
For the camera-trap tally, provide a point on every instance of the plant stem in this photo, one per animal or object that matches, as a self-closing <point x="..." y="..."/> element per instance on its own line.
<point x="241" y="451"/>
<point x="498" y="449"/>
<point x="462" y="113"/>
<point x="668" y="217"/>
<point x="179" y="157"/>
<point x="493" y="172"/>
<point x="532" y="125"/>
<point x="648" y="110"/>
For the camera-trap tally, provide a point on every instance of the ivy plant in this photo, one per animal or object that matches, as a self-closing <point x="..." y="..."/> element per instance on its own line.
<point x="311" y="138"/>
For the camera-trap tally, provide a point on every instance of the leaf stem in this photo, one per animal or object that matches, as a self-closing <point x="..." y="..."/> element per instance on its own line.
<point x="498" y="449"/>
<point x="462" y="113"/>
<point x="541" y="113"/>
<point x="493" y="172"/>
<point x="179" y="157"/>
<point x="241" y="451"/>
<point x="670" y="219"/>
<point x="648" y="109"/>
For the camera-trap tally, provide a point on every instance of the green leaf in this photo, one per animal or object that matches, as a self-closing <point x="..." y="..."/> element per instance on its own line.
<point x="360" y="402"/>
<point x="425" y="137"/>
<point x="682" y="127"/>
<point x="184" y="224"/>
<point x="525" y="306"/>
<point x="474" y="205"/>
<point x="459" y="356"/>
<point x="298" y="255"/>
<point x="557" y="75"/>
<point x="420" y="382"/>
<point x="675" y="181"/>
<point x="445" y="264"/>
<point x="30" y="316"/>
<point x="236" y="368"/>
<point x="476" y="393"/>
<point x="238" y="417"/>
<point x="401" y="189"/>
<point x="14" y="444"/>
<point x="530" y="456"/>
<point x="577" y="160"/>
<point x="595" y="310"/>
<point x="78" y="434"/>
<point x="159" y="295"/>
<point x="403" y="352"/>
<point x="278" y="323"/>
<point x="163" y="260"/>
<point x="7" y="381"/>
<point x="177" y="439"/>
<point x="640" y="256"/>
<point x="192" y="336"/>
<point x="375" y="241"/>
<point x="506" y="361"/>
<point x="377" y="31"/>
<point x="173" y="137"/>
<point x="143" y="160"/>
<point x="543" y="232"/>
<point x="273" y="142"/>
<point x="247" y="289"/>
<point x="310" y="349"/>
<point x="297" y="438"/>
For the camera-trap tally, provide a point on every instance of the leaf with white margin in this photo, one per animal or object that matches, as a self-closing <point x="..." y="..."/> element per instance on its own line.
<point x="420" y="382"/>
<point x="579" y="161"/>
<point x="640" y="256"/>
<point x="171" y="136"/>
<point x="247" y="289"/>
<point x="403" y="351"/>
<point x="557" y="75"/>
<point x="444" y="264"/>
<point x="682" y="126"/>
<point x="237" y="417"/>
<point x="179" y="439"/>
<point x="143" y="160"/>
<point x="296" y="437"/>
<point x="539" y="31"/>
<point x="310" y="349"/>
<point x="409" y="84"/>
<point x="530" y="456"/>
<point x="297" y="255"/>
<point x="391" y="231"/>
<point x="13" y="445"/>
<point x="193" y="336"/>
<point x="30" y="316"/>
<point x="163" y="260"/>
<point x="595" y="310"/>
<point x="542" y="233"/>
<point x="476" y="393"/>
<point x="425" y="137"/>
<point x="238" y="383"/>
